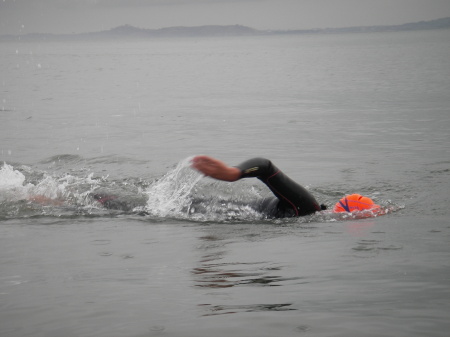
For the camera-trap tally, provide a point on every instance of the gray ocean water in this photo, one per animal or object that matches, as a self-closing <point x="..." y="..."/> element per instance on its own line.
<point x="342" y="113"/>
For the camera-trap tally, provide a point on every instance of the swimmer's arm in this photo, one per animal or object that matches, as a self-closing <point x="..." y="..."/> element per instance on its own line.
<point x="216" y="169"/>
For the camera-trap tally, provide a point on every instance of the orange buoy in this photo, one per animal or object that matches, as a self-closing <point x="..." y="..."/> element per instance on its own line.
<point x="355" y="202"/>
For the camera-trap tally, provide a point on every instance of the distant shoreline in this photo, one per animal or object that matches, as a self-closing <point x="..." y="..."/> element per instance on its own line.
<point x="131" y="32"/>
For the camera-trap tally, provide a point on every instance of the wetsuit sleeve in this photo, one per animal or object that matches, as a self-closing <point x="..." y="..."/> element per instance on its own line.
<point x="291" y="195"/>
<point x="257" y="168"/>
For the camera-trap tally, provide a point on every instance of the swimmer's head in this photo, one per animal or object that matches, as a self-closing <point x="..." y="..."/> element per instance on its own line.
<point x="355" y="202"/>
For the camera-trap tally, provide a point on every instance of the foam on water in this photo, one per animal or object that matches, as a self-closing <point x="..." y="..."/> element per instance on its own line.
<point x="30" y="189"/>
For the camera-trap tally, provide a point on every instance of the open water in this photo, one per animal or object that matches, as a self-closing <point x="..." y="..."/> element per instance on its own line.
<point x="343" y="113"/>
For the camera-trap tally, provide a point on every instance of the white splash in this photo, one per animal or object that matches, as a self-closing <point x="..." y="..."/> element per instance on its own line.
<point x="12" y="184"/>
<point x="171" y="195"/>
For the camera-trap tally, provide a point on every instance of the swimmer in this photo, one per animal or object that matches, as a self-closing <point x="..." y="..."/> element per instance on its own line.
<point x="291" y="199"/>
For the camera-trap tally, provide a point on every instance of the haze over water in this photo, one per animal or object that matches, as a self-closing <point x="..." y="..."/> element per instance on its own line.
<point x="344" y="113"/>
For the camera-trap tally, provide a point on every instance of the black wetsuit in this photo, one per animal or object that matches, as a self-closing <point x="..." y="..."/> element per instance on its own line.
<point x="291" y="198"/>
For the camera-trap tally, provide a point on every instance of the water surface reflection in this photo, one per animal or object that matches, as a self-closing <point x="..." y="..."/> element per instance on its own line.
<point x="217" y="271"/>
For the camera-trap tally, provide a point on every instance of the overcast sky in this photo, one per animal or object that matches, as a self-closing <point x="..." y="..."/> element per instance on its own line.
<point x="77" y="16"/>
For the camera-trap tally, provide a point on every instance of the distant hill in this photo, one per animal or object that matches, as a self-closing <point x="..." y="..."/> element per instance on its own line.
<point x="443" y="23"/>
<point x="130" y="32"/>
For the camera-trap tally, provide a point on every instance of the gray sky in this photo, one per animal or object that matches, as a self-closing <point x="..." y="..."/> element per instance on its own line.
<point x="77" y="16"/>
